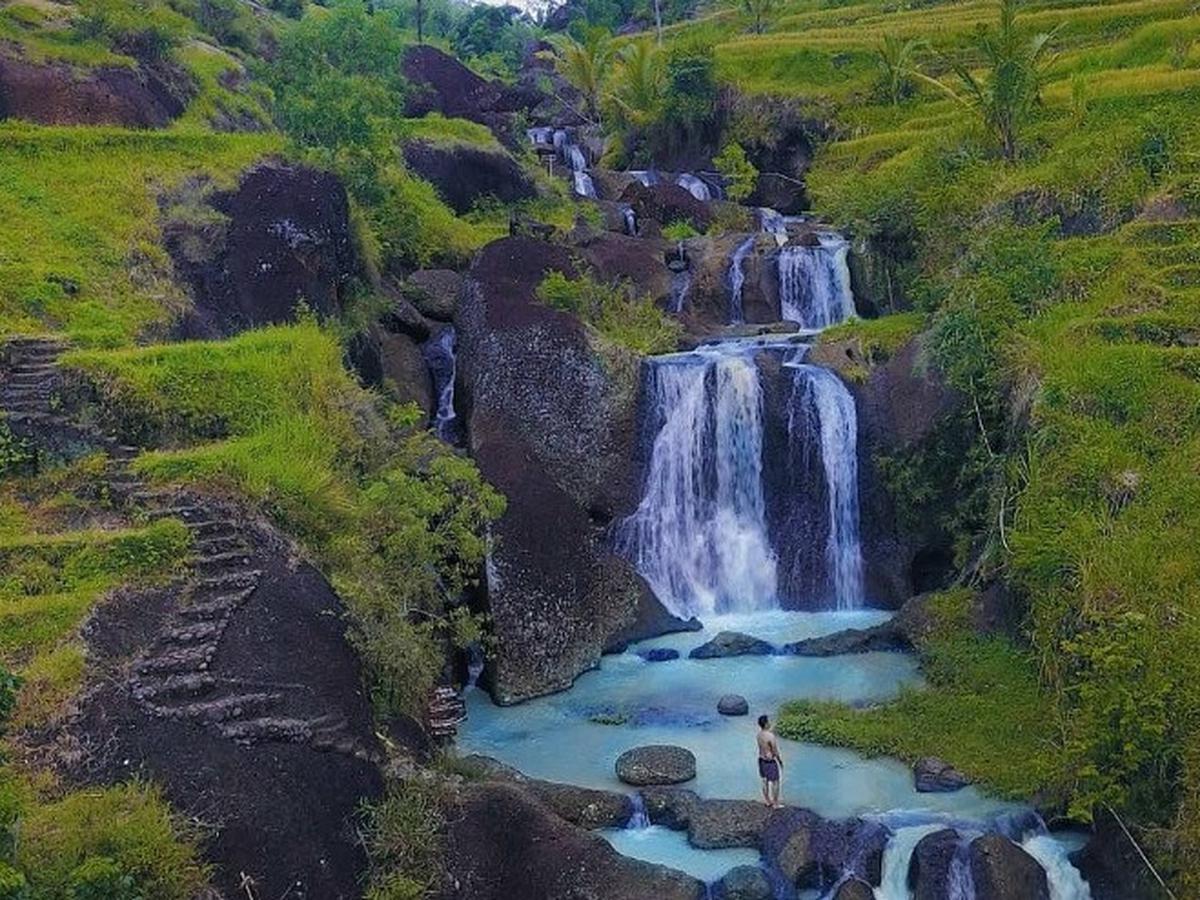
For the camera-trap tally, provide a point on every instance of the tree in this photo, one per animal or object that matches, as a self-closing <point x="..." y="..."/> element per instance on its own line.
<point x="638" y="84"/>
<point x="587" y="66"/>
<point x="740" y="174"/>
<point x="896" y="60"/>
<point x="759" y="10"/>
<point x="1010" y="88"/>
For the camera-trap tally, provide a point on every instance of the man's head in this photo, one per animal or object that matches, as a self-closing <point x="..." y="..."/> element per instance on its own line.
<point x="763" y="721"/>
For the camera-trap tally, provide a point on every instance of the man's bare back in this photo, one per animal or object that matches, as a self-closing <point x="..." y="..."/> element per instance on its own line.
<point x="768" y="746"/>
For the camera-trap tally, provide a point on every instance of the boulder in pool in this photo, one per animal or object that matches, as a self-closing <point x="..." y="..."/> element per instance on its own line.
<point x="935" y="776"/>
<point x="718" y="824"/>
<point x="670" y="807"/>
<point x="733" y="705"/>
<point x="812" y="852"/>
<point x="732" y="643"/>
<point x="586" y="807"/>
<point x="929" y="865"/>
<point x="854" y="889"/>
<point x="659" y="654"/>
<point x="1003" y="871"/>
<point x="656" y="764"/>
<point x="744" y="883"/>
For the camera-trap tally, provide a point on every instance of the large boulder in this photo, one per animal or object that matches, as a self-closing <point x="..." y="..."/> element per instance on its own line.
<point x="440" y="83"/>
<point x="656" y="764"/>
<point x="929" y="865"/>
<point x="744" y="883"/>
<point x="708" y="304"/>
<point x="733" y="705"/>
<point x="732" y="643"/>
<point x="283" y="237"/>
<point x="716" y="824"/>
<point x="463" y="174"/>
<point x="1111" y="864"/>
<point x="618" y="257"/>
<point x="935" y="776"/>
<point x="434" y="292"/>
<point x="811" y="852"/>
<point x="854" y="889"/>
<point x="665" y="204"/>
<point x="552" y="423"/>
<point x="501" y="843"/>
<point x="58" y="94"/>
<point x="1003" y="871"/>
<point x="883" y="637"/>
<point x="586" y="807"/>
<point x="405" y="373"/>
<point x="670" y="807"/>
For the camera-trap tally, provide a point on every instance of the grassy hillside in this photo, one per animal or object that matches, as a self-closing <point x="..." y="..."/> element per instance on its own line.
<point x="1063" y="290"/>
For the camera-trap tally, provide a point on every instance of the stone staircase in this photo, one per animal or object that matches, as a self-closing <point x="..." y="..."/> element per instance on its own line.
<point x="177" y="676"/>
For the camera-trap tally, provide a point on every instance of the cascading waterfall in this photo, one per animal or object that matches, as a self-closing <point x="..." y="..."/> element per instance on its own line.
<point x="814" y="283"/>
<point x="638" y="818"/>
<point x="695" y="186"/>
<point x="630" y="218"/>
<point x="737" y="281"/>
<point x="681" y="283"/>
<point x="699" y="535"/>
<point x="822" y="406"/>
<point x="440" y="356"/>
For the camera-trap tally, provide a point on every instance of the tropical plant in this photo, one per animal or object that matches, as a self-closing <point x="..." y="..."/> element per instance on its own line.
<point x="637" y="90"/>
<point x="1010" y="87"/>
<point x="740" y="174"/>
<point x="897" y="63"/>
<point x="758" y="10"/>
<point x="587" y="66"/>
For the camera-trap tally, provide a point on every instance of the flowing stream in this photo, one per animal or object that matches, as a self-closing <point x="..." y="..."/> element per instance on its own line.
<point x="749" y="520"/>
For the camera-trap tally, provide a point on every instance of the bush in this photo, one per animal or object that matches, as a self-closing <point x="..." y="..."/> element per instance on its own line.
<point x="100" y="878"/>
<point x="614" y="310"/>
<point x="740" y="174"/>
<point x="403" y="840"/>
<point x="13" y="885"/>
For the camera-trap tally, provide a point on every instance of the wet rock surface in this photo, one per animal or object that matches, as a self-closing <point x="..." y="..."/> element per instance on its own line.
<point x="811" y="852"/>
<point x="586" y="807"/>
<point x="885" y="637"/>
<point x="503" y="844"/>
<point x="732" y="643"/>
<point x="854" y="889"/>
<point x="666" y="203"/>
<point x="656" y="764"/>
<point x="1111" y="864"/>
<point x="929" y="865"/>
<point x="659" y="654"/>
<point x="932" y="775"/>
<point x="733" y="705"/>
<point x="670" y="807"/>
<point x="1003" y="871"/>
<point x="744" y="883"/>
<point x="286" y="239"/>
<point x="716" y="824"/>
<point x="434" y="292"/>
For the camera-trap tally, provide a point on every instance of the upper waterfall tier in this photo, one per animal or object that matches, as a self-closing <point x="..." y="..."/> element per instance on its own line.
<point x="814" y="282"/>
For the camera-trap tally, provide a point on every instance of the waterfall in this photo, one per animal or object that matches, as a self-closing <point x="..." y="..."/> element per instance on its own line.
<point x="814" y="283"/>
<point x="681" y="283"/>
<point x="638" y="818"/>
<point x="1064" y="879"/>
<point x="630" y="218"/>
<point x="699" y="535"/>
<point x="646" y="178"/>
<point x="439" y="352"/>
<point x="694" y="186"/>
<point x="584" y="186"/>
<point x="822" y="406"/>
<point x="896" y="857"/>
<point x="960" y="883"/>
<point x="737" y="280"/>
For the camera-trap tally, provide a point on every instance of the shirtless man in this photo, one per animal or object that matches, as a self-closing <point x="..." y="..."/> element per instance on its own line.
<point x="770" y="763"/>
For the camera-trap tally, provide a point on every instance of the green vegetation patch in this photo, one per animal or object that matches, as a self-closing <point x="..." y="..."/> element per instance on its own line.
<point x="877" y="339"/>
<point x="982" y="710"/>
<point x="81" y="249"/>
<point x="437" y="129"/>
<point x="615" y="310"/>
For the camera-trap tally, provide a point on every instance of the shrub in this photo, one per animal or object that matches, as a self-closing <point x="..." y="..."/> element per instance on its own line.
<point x="101" y="878"/>
<point x="13" y="885"/>
<point x="403" y="840"/>
<point x="740" y="174"/>
<point x="614" y="310"/>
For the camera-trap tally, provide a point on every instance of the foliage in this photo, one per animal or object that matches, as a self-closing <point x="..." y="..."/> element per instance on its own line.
<point x="897" y="63"/>
<point x="13" y="885"/>
<point x="403" y="840"/>
<point x="492" y="32"/>
<point x="101" y="878"/>
<point x="614" y="310"/>
<point x="740" y="174"/>
<point x="144" y="29"/>
<point x="679" y="230"/>
<point x="758" y="10"/>
<point x="587" y="65"/>
<point x="637" y="92"/>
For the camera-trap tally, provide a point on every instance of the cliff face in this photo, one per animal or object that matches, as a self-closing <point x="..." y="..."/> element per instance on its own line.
<point x="551" y="424"/>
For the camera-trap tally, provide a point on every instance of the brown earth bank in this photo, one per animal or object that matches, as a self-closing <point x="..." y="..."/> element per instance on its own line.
<point x="551" y="419"/>
<point x="238" y="692"/>
<point x="58" y="94"/>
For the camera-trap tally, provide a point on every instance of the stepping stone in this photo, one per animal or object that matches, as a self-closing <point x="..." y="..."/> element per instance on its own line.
<point x="656" y="764"/>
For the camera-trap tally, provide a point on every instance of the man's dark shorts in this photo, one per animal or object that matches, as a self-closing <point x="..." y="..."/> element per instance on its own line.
<point x="768" y="769"/>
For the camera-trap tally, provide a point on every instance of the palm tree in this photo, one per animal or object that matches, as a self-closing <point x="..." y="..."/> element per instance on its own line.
<point x="1010" y="87"/>
<point x="587" y="67"/>
<point x="638" y="85"/>
<point x="896" y="60"/>
<point x="759" y="10"/>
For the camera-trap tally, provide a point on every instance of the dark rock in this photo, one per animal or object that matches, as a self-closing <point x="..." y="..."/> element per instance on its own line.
<point x="744" y="883"/>
<point x="440" y="83"/>
<point x="650" y="621"/>
<point x="670" y="807"/>
<point x="656" y="764"/>
<point x="667" y="203"/>
<point x="716" y="824"/>
<point x="779" y="192"/>
<point x="402" y="317"/>
<point x="434" y="292"/>
<point x="463" y="175"/>
<point x="929" y="865"/>
<point x="287" y="240"/>
<point x="1003" y="871"/>
<point x="884" y="637"/>
<point x="1111" y="864"/>
<point x="811" y="852"/>
<point x="405" y="371"/>
<point x="502" y="843"/>
<point x="57" y="94"/>
<point x="709" y="259"/>
<point x="585" y="807"/>
<point x="616" y="257"/>
<point x="854" y="889"/>
<point x="934" y="776"/>
<point x="551" y="419"/>
<point x="659" y="654"/>
<point x="732" y="643"/>
<point x="733" y="705"/>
